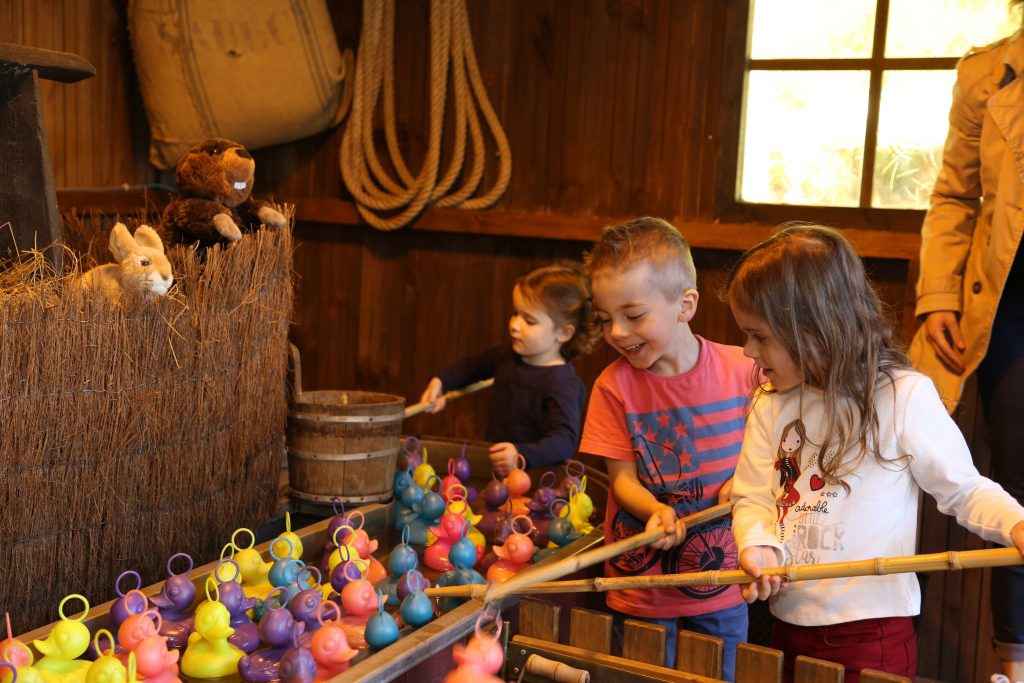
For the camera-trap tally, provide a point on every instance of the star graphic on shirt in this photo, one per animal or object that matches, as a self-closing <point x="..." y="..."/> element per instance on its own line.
<point x="685" y="458"/>
<point x="663" y="419"/>
<point x="680" y="430"/>
<point x="650" y="436"/>
<point x="668" y="446"/>
<point x="638" y="426"/>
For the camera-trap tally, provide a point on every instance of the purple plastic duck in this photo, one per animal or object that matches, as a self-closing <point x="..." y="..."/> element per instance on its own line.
<point x="278" y="630"/>
<point x="173" y="601"/>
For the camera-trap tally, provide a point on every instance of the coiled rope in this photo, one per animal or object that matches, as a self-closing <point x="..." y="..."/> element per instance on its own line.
<point x="377" y="194"/>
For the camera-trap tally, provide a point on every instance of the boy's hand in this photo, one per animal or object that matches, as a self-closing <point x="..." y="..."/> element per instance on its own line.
<point x="1017" y="537"/>
<point x="432" y="395"/>
<point x="752" y="560"/>
<point x="503" y="457"/>
<point x="666" y="518"/>
<point x="725" y="492"/>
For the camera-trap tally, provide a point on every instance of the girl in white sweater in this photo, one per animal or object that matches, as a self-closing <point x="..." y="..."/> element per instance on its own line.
<point x="837" y="446"/>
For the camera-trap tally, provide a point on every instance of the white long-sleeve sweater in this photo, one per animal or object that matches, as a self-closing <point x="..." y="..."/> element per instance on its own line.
<point x="818" y="523"/>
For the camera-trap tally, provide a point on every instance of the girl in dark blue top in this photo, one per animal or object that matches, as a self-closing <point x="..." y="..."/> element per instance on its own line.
<point x="538" y="399"/>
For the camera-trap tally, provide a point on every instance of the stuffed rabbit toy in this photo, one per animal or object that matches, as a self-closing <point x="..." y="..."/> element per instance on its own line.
<point x="141" y="265"/>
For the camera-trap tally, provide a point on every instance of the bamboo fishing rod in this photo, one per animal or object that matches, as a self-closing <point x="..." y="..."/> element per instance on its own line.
<point x="417" y="408"/>
<point x="934" y="562"/>
<point x="568" y="565"/>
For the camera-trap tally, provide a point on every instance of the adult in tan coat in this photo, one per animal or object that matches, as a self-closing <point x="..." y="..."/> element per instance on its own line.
<point x="971" y="287"/>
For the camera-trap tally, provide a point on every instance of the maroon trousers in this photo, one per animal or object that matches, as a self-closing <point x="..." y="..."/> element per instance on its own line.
<point x="888" y="644"/>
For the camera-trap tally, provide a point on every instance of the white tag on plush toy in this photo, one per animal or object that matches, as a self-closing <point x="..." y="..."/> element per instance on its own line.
<point x="239" y="186"/>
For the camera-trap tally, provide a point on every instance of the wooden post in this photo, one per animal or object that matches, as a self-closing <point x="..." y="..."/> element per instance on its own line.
<point x="756" y="664"/>
<point x="590" y="630"/>
<point x="811" y="670"/>
<point x="29" y="217"/>
<point x="539" y="619"/>
<point x="644" y="642"/>
<point x="699" y="653"/>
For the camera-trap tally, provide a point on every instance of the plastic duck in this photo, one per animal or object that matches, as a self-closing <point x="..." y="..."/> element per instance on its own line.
<point x="411" y="452"/>
<point x="429" y="510"/>
<point x="252" y="567"/>
<point x="296" y="549"/>
<point x="397" y="562"/>
<point x="463" y="556"/>
<point x="462" y="471"/>
<point x="366" y="547"/>
<point x="513" y="556"/>
<point x="339" y="519"/>
<point x="297" y="666"/>
<point x="561" y="532"/>
<point x="451" y="528"/>
<point x="330" y="647"/>
<point x="12" y="650"/>
<point x="359" y="600"/>
<point x="284" y="573"/>
<point x="518" y="483"/>
<point x="381" y="628"/>
<point x="540" y="506"/>
<point x="127" y="604"/>
<point x="136" y="629"/>
<point x="423" y="471"/>
<point x="209" y="653"/>
<point x="494" y="496"/>
<point x="580" y="507"/>
<point x="107" y="668"/>
<point x="479" y="659"/>
<point x="405" y="502"/>
<point x="458" y="505"/>
<point x="231" y="594"/>
<point x="305" y="606"/>
<point x="342" y="574"/>
<point x="278" y="630"/>
<point x="346" y="552"/>
<point x="574" y="470"/>
<point x="174" y="598"/>
<point x="417" y="609"/>
<point x="155" y="662"/>
<point x="62" y="648"/>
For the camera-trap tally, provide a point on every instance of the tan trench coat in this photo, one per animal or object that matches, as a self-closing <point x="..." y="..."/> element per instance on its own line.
<point x="973" y="228"/>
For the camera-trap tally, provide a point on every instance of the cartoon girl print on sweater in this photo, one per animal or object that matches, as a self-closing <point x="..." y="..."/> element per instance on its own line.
<point x="787" y="463"/>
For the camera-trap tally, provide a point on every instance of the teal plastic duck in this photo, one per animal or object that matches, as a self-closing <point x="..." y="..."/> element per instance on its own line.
<point x="209" y="654"/>
<point x="61" y="649"/>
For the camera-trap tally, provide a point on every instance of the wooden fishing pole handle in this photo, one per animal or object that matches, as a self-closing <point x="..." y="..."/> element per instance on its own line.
<point x="417" y="408"/>
<point x="555" y="671"/>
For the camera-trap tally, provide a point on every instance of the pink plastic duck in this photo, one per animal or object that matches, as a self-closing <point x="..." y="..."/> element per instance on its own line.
<point x="479" y="659"/>
<point x="330" y="646"/>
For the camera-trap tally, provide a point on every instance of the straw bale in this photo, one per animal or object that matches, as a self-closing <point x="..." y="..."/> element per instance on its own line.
<point x="135" y="429"/>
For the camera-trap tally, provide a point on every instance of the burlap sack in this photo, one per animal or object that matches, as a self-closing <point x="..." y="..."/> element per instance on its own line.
<point x="261" y="72"/>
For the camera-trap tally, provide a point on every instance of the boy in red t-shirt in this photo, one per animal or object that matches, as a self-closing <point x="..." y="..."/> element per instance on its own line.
<point x="669" y="418"/>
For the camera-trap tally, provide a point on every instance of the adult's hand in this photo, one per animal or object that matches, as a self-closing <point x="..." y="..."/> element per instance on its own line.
<point x="943" y="330"/>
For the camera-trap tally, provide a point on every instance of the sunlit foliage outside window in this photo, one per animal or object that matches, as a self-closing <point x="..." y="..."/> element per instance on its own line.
<point x="810" y="96"/>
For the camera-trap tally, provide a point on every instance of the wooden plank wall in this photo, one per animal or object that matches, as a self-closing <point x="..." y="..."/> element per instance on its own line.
<point x="613" y="108"/>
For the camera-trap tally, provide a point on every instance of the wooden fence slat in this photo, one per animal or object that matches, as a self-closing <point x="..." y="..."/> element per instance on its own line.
<point x="699" y="653"/>
<point x="757" y="664"/>
<point x="872" y="676"/>
<point x="644" y="642"/>
<point x="539" y="619"/>
<point x="590" y="630"/>
<point x="811" y="670"/>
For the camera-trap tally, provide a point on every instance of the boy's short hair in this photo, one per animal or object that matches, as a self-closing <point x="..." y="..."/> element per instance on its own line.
<point x="653" y="241"/>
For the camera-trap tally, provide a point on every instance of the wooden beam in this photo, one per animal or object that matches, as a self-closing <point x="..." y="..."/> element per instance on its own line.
<point x="702" y="234"/>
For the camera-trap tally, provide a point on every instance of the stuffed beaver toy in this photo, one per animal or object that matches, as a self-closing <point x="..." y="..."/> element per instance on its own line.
<point x="214" y="204"/>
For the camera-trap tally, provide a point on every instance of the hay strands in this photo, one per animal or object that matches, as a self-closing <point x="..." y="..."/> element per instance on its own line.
<point x="538" y="574"/>
<point x="417" y="408"/>
<point x="934" y="562"/>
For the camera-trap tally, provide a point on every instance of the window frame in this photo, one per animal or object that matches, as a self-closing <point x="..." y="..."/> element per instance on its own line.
<point x="738" y="66"/>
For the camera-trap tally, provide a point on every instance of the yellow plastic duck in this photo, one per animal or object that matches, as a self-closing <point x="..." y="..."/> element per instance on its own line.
<point x="281" y="548"/>
<point x="107" y="668"/>
<point x="251" y="567"/>
<point x="62" y="648"/>
<point x="209" y="654"/>
<point x="423" y="472"/>
<point x="350" y="554"/>
<point x="580" y="508"/>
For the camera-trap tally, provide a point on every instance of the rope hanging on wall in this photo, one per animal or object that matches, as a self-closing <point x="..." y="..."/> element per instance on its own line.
<point x="375" y="190"/>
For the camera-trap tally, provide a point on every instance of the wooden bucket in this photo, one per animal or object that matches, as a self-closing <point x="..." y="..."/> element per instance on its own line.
<point x="343" y="444"/>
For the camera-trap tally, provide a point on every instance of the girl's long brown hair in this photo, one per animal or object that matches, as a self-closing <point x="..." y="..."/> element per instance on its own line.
<point x="562" y="289"/>
<point x="809" y="284"/>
